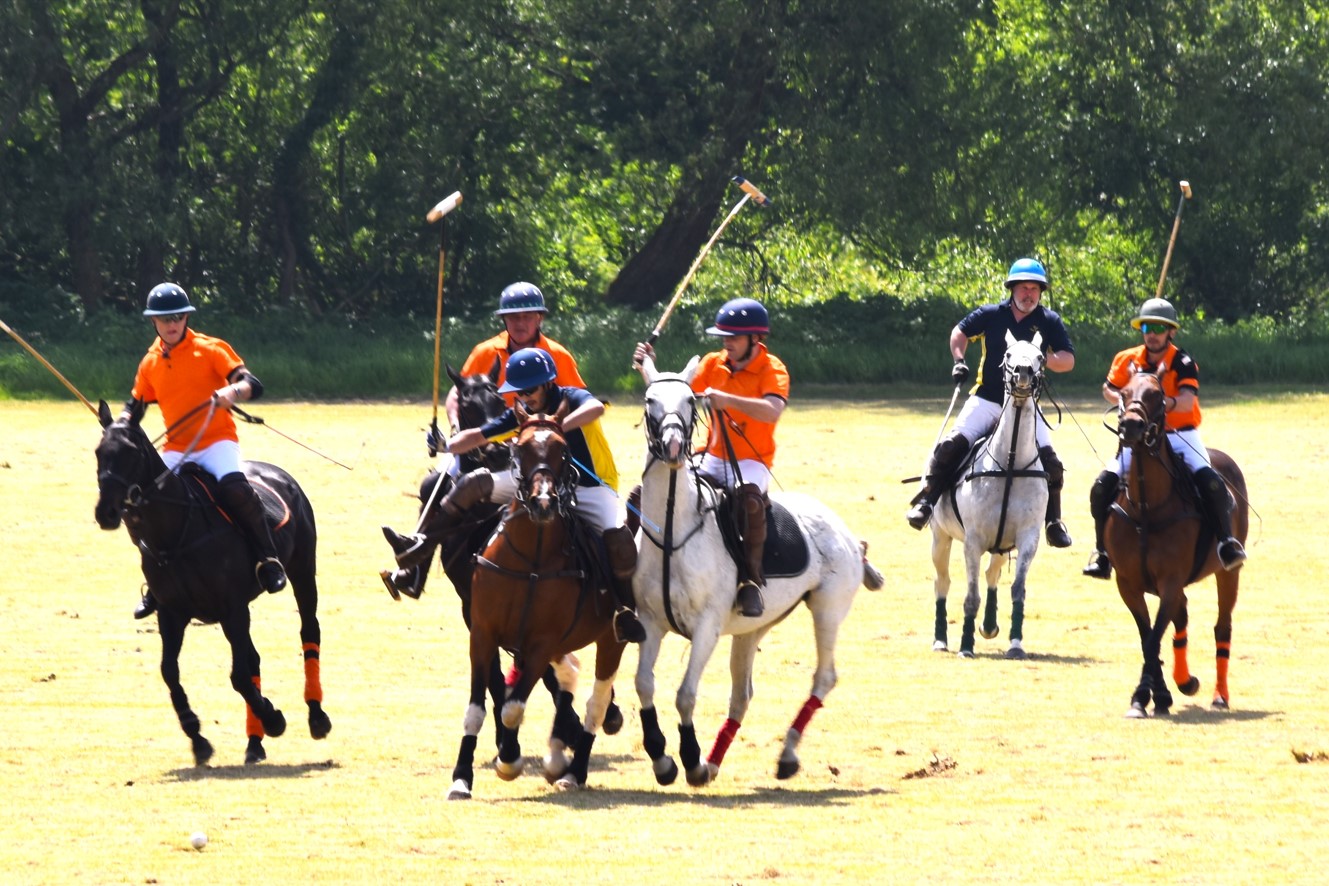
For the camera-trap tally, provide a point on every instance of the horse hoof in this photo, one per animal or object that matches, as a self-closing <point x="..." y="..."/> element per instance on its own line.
<point x="787" y="769"/>
<point x="613" y="721"/>
<point x="568" y="783"/>
<point x="274" y="724"/>
<point x="1162" y="710"/>
<point x="1016" y="653"/>
<point x="555" y="767"/>
<point x="966" y="653"/>
<point x="320" y="724"/>
<point x="987" y="633"/>
<point x="1137" y="712"/>
<point x="1220" y="703"/>
<point x="254" y="753"/>
<point x="509" y="771"/>
<point x="939" y="646"/>
<point x="1190" y="687"/>
<point x="202" y="750"/>
<point x="460" y="790"/>
<point x="701" y="775"/>
<point x="666" y="771"/>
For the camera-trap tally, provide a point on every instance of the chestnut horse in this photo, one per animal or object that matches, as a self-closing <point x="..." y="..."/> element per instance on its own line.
<point x="1160" y="540"/>
<point x="531" y="595"/>
<point x="199" y="566"/>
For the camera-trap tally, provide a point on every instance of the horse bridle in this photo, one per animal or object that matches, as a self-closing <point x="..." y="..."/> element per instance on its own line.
<point x="1153" y="424"/>
<point x="655" y="428"/>
<point x="564" y="475"/>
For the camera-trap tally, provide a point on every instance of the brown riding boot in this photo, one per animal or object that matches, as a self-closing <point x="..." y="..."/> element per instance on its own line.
<point x="942" y="465"/>
<point x="238" y="498"/>
<point x="621" y="551"/>
<point x="417" y="548"/>
<point x="751" y="579"/>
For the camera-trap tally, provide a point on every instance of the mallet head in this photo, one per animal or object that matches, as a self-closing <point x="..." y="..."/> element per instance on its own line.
<point x="1186" y="189"/>
<point x="750" y="189"/>
<point x="446" y="205"/>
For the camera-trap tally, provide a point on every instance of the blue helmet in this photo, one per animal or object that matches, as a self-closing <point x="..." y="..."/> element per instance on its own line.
<point x="741" y="316"/>
<point x="528" y="368"/>
<point x="1030" y="269"/>
<point x="167" y="298"/>
<point x="520" y="297"/>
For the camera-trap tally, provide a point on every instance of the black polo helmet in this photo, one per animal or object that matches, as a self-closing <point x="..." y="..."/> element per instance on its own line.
<point x="167" y="298"/>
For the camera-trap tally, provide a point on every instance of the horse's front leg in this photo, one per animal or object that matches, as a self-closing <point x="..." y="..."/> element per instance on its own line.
<point x="1151" y="672"/>
<point x="652" y="739"/>
<point x="463" y="773"/>
<point x="1132" y="594"/>
<point x="973" y="557"/>
<point x="1187" y="683"/>
<point x="990" y="627"/>
<point x="171" y="627"/>
<point x="566" y="731"/>
<point x="1027" y="547"/>
<point x="608" y="656"/>
<point x="262" y="718"/>
<point x="704" y="641"/>
<point x="941" y="585"/>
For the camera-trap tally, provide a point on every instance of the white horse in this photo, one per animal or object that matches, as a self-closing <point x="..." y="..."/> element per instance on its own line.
<point x="998" y="506"/>
<point x="692" y="590"/>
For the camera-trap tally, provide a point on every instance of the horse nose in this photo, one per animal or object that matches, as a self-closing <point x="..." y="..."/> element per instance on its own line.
<point x="108" y="516"/>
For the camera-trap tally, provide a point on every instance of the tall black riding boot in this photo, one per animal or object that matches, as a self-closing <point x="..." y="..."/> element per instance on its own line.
<point x="942" y="465"/>
<point x="621" y="550"/>
<point x="239" y="499"/>
<point x="752" y="504"/>
<point x="417" y="548"/>
<point x="1101" y="496"/>
<point x="1219" y="502"/>
<point x="1057" y="534"/>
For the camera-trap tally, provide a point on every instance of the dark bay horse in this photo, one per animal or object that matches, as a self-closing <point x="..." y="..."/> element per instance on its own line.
<point x="199" y="566"/>
<point x="1160" y="541"/>
<point x="531" y="595"/>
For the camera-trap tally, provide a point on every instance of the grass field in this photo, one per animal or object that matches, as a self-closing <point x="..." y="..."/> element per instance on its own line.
<point x="1028" y="770"/>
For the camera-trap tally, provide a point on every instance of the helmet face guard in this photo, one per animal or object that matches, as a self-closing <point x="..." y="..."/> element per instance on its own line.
<point x="741" y="316"/>
<point x="528" y="368"/>
<point x="520" y="298"/>
<point x="166" y="299"/>
<point x="1027" y="270"/>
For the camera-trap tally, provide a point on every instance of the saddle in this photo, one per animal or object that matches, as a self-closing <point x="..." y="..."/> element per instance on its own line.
<point x="275" y="508"/>
<point x="786" y="550"/>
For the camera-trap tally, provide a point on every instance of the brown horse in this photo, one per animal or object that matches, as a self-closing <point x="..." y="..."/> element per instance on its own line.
<point x="1160" y="540"/>
<point x="531" y="595"/>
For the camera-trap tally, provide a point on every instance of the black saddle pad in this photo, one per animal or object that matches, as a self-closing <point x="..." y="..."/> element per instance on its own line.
<point x="786" y="551"/>
<point x="274" y="506"/>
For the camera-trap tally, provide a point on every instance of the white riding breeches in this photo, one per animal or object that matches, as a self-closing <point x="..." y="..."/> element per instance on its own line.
<point x="219" y="459"/>
<point x="979" y="417"/>
<point x="1186" y="445"/>
<point x="597" y="505"/>
<point x="749" y="469"/>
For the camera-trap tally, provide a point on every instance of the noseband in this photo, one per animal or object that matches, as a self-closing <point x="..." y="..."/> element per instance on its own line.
<point x="1017" y="384"/>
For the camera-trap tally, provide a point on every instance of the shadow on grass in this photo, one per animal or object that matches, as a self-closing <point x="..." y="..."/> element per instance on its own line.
<point x="593" y="798"/>
<point x="1050" y="658"/>
<point x="1200" y="715"/>
<point x="258" y="772"/>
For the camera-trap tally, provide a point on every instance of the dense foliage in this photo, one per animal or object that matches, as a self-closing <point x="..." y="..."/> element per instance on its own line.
<point x="282" y="156"/>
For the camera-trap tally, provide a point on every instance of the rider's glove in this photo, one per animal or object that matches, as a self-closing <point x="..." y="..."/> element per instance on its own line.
<point x="959" y="372"/>
<point x="434" y="441"/>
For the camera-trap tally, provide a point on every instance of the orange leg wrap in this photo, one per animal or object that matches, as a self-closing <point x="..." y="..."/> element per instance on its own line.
<point x="313" y="681"/>
<point x="253" y="728"/>
<point x="1220" y="686"/>
<point x="1181" y="670"/>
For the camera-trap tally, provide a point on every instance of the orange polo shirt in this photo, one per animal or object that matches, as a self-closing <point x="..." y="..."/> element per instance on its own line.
<point x="482" y="357"/>
<point x="1180" y="371"/>
<point x="765" y="375"/>
<point x="183" y="377"/>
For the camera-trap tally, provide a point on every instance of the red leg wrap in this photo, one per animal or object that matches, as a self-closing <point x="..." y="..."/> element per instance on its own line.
<point x="810" y="707"/>
<point x="722" y="741"/>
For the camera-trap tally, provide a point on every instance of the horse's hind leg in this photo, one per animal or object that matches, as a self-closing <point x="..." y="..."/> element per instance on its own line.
<point x="1187" y="683"/>
<point x="172" y="631"/>
<point x="608" y="655"/>
<point x="566" y="733"/>
<point x="245" y="674"/>
<point x="973" y="556"/>
<point x="941" y="585"/>
<point x="990" y="627"/>
<point x="305" y="590"/>
<point x="1227" y="601"/>
<point x="742" y="657"/>
<point x="463" y="772"/>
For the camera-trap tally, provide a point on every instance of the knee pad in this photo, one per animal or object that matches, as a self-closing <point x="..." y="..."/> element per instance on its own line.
<point x="1102" y="493"/>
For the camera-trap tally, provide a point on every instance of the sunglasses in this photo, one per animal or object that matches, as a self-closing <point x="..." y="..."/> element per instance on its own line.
<point x="1155" y="328"/>
<point x="172" y="318"/>
<point x="529" y="392"/>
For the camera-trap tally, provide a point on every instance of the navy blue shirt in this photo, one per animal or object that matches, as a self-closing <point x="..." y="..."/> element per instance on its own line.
<point x="586" y="444"/>
<point x="990" y="323"/>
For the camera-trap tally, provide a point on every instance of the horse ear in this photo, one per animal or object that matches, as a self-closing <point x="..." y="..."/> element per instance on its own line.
<point x="453" y="374"/>
<point x="1038" y="341"/>
<point x="496" y="370"/>
<point x="104" y="414"/>
<point x="1010" y="339"/>
<point x="562" y="411"/>
<point x="691" y="369"/>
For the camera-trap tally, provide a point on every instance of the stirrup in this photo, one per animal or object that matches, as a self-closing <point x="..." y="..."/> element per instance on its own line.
<point x="270" y="574"/>
<point x="402" y="581"/>
<point x="146" y="606"/>
<point x="1058" y="535"/>
<point x="627" y="627"/>
<point x="919" y="514"/>
<point x="1231" y="553"/>
<point x="750" y="603"/>
<point x="1099" y="565"/>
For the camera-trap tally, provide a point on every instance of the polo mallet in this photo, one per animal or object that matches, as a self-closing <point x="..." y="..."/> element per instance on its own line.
<point x="437" y="214"/>
<point x="750" y="192"/>
<point x="1172" y="241"/>
<point x="42" y="360"/>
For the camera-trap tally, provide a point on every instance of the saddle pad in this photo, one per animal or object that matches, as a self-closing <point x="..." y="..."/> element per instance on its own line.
<point x="786" y="551"/>
<point x="275" y="507"/>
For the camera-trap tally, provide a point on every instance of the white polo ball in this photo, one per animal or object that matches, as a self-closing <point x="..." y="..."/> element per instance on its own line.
<point x="198" y="839"/>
